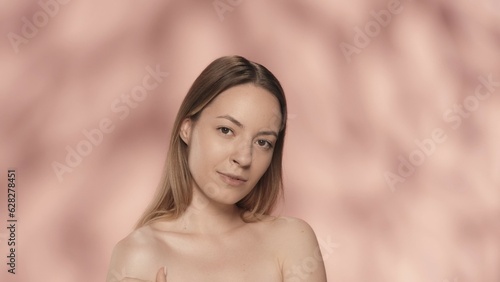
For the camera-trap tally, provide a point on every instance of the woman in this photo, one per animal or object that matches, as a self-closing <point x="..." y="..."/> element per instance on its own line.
<point x="210" y="219"/>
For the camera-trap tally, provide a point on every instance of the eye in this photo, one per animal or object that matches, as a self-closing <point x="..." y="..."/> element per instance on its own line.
<point x="224" y="130"/>
<point x="264" y="144"/>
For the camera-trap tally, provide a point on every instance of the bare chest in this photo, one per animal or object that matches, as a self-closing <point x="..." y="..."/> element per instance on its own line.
<point x="243" y="258"/>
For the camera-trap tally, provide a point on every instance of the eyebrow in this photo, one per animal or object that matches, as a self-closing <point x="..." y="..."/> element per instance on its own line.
<point x="239" y="124"/>
<point x="232" y="119"/>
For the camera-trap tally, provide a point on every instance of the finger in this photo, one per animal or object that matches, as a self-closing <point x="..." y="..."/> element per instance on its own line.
<point x="161" y="275"/>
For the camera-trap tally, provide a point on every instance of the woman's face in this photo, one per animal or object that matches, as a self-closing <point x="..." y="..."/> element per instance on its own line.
<point x="231" y="144"/>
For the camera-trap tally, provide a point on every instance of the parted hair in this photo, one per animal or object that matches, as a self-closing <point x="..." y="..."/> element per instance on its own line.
<point x="174" y="192"/>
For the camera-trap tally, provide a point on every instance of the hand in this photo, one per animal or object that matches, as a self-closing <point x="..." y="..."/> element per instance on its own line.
<point x="161" y="276"/>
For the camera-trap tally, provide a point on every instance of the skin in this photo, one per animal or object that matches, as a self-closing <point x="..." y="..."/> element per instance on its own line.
<point x="233" y="137"/>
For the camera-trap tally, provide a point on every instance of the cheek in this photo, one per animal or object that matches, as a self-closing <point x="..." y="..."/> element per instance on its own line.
<point x="203" y="153"/>
<point x="262" y="164"/>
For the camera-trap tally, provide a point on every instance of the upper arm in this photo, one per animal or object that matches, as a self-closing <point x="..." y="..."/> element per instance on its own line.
<point x="301" y="255"/>
<point x="132" y="258"/>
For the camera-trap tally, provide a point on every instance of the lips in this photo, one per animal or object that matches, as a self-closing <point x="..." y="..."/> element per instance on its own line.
<point x="232" y="179"/>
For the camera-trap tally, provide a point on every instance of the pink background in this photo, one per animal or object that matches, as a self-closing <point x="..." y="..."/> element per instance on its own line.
<point x="349" y="123"/>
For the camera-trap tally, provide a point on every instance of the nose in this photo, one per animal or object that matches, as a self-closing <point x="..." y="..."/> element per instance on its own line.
<point x="242" y="154"/>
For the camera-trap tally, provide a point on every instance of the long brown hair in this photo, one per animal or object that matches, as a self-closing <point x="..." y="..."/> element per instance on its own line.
<point x="174" y="192"/>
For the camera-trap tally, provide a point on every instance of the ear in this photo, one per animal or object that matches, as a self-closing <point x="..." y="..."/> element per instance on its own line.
<point x="185" y="132"/>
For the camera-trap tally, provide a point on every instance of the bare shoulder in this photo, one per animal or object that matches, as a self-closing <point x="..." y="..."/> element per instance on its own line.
<point x="135" y="256"/>
<point x="293" y="224"/>
<point x="297" y="248"/>
<point x="288" y="227"/>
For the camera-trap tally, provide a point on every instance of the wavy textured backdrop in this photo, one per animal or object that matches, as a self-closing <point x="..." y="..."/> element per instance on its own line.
<point x="352" y="119"/>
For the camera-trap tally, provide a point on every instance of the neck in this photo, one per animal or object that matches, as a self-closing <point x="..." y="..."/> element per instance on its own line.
<point x="205" y="216"/>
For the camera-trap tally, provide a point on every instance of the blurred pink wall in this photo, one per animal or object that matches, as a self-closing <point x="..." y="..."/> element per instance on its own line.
<point x="364" y="80"/>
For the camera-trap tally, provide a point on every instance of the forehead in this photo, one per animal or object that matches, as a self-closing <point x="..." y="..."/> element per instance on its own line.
<point x="249" y="104"/>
